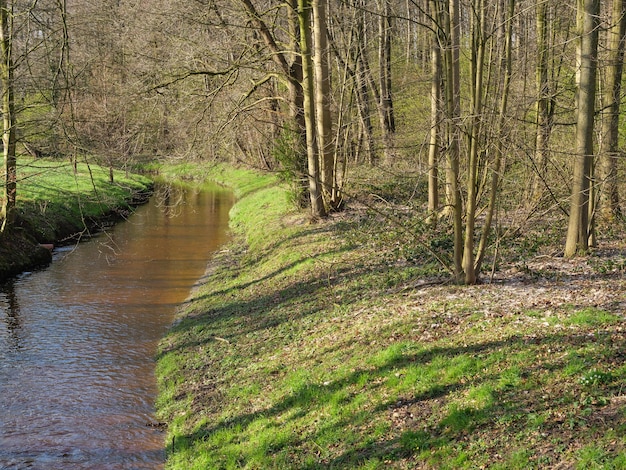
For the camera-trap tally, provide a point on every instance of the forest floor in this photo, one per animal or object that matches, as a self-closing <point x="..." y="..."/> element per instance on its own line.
<point x="58" y="206"/>
<point x="342" y="344"/>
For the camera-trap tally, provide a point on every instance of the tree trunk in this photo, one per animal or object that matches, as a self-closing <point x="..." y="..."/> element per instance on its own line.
<point x="435" y="119"/>
<point x="296" y="96"/>
<point x="609" y="151"/>
<point x="322" y="105"/>
<point x="499" y="154"/>
<point x="292" y="72"/>
<point x="384" y="58"/>
<point x="451" y="63"/>
<point x="578" y="228"/>
<point x="543" y="124"/>
<point x="362" y="96"/>
<point x="7" y="212"/>
<point x="308" y="88"/>
<point x="477" y="62"/>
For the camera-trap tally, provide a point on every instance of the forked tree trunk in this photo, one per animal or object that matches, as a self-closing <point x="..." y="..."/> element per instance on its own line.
<point x="499" y="153"/>
<point x="478" y="65"/>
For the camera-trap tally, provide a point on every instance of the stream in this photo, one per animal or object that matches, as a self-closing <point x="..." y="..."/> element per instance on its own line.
<point x="78" y="338"/>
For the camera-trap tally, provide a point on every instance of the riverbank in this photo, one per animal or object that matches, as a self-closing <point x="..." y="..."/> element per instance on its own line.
<point x="340" y="345"/>
<point x="57" y="206"/>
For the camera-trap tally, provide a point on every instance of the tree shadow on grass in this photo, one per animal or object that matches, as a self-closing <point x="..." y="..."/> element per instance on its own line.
<point x="510" y="412"/>
<point x="507" y="410"/>
<point x="234" y="319"/>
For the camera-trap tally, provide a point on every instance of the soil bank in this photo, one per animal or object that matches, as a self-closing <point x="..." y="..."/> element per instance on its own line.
<point x="57" y="207"/>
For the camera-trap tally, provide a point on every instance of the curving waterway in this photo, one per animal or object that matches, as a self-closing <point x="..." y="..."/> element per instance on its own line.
<point x="78" y="339"/>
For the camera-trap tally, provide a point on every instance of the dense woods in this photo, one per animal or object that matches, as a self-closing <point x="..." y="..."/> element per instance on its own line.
<point x="497" y="110"/>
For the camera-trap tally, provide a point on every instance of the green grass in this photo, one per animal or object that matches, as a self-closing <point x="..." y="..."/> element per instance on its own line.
<point x="242" y="181"/>
<point x="313" y="346"/>
<point x="57" y="205"/>
<point x="54" y="201"/>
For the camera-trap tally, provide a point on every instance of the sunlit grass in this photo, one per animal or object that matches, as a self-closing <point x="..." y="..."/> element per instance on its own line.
<point x="592" y="317"/>
<point x="53" y="198"/>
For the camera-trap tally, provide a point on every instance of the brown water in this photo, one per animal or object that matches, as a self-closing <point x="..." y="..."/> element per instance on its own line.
<point x="77" y="339"/>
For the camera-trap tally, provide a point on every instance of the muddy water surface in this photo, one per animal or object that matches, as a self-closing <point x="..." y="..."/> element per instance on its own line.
<point x="77" y="339"/>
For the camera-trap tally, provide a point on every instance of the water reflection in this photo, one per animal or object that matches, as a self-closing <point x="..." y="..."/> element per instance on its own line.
<point x="12" y="310"/>
<point x="77" y="339"/>
<point x="169" y="199"/>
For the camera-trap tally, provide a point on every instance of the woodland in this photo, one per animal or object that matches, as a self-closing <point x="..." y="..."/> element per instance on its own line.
<point x="495" y="110"/>
<point x="436" y="281"/>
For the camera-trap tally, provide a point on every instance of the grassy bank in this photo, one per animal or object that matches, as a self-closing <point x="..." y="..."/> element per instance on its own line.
<point x="55" y="205"/>
<point x="337" y="345"/>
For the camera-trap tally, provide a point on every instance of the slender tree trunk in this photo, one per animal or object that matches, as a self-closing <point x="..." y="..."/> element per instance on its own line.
<point x="68" y="85"/>
<point x="296" y="97"/>
<point x="296" y="105"/>
<point x="591" y="206"/>
<point x="578" y="227"/>
<point x="308" y="87"/>
<point x="322" y="105"/>
<point x="363" y="98"/>
<point x="7" y="212"/>
<point x="364" y="108"/>
<point x="409" y="31"/>
<point x="478" y="65"/>
<point x="384" y="57"/>
<point x="543" y="124"/>
<point x="609" y="151"/>
<point x="371" y="83"/>
<point x="435" y="119"/>
<point x="451" y="24"/>
<point x="385" y="64"/>
<point x="499" y="154"/>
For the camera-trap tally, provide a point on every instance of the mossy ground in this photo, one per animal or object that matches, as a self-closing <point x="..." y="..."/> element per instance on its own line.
<point x="340" y="345"/>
